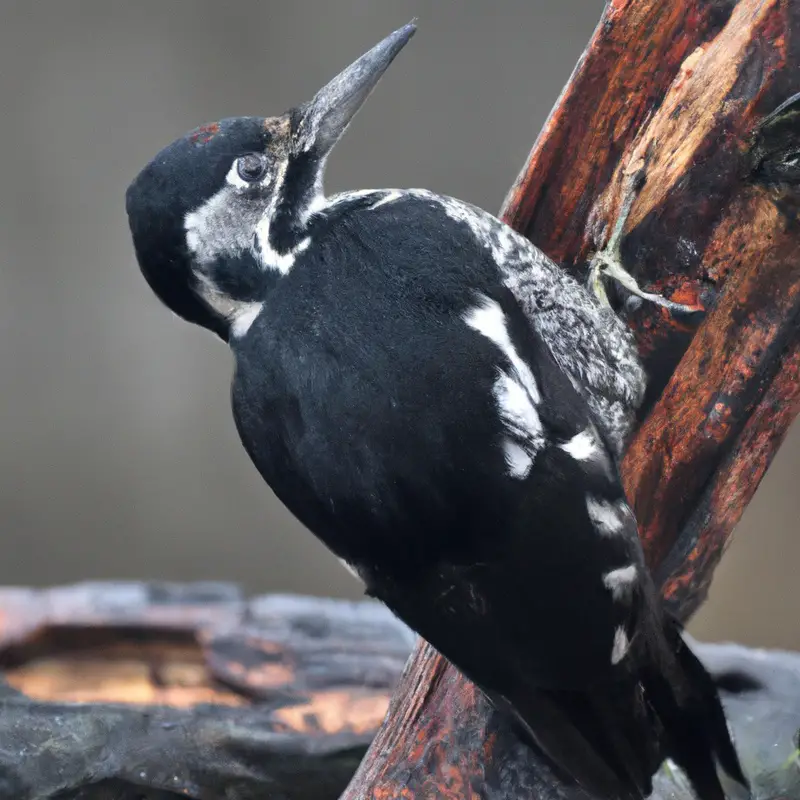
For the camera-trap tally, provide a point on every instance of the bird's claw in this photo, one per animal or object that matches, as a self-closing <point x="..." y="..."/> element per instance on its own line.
<point x="608" y="261"/>
<point x="607" y="264"/>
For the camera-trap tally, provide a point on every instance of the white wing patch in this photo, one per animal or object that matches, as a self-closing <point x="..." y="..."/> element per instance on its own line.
<point x="518" y="459"/>
<point x="620" y="582"/>
<point x="621" y="645"/>
<point x="515" y="391"/>
<point x="583" y="446"/>
<point x="608" y="518"/>
<point x="518" y="410"/>
<point x="589" y="342"/>
<point x="488" y="318"/>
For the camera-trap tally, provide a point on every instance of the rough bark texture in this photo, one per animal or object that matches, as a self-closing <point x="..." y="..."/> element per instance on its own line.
<point x="678" y="99"/>
<point x="151" y="692"/>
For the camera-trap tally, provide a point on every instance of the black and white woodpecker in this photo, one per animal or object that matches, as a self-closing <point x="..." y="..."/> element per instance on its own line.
<point x="444" y="408"/>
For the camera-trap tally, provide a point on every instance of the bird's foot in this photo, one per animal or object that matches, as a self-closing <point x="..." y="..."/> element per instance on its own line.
<point x="607" y="263"/>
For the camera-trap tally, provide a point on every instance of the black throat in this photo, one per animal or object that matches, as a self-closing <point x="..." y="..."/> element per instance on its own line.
<point x="302" y="184"/>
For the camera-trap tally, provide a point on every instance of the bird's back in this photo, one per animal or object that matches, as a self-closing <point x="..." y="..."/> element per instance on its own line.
<point x="373" y="372"/>
<point x="363" y="369"/>
<point x="417" y="414"/>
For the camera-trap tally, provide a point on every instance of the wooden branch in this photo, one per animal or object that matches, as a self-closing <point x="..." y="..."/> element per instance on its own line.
<point x="674" y="93"/>
<point x="154" y="692"/>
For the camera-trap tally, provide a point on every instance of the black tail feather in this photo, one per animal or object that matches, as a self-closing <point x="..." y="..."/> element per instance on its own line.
<point x="562" y="728"/>
<point x="708" y="715"/>
<point x="613" y="739"/>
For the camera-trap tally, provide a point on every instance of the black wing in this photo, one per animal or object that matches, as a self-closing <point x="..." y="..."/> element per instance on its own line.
<point x="407" y="412"/>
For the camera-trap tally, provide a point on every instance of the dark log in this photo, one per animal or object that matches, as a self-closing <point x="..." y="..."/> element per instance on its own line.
<point x="151" y="692"/>
<point x="671" y="107"/>
<point x="156" y="691"/>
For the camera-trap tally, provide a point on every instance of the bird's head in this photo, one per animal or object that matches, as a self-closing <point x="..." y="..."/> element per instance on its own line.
<point x="220" y="214"/>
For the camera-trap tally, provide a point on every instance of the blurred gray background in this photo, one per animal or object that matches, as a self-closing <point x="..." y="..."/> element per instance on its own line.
<point x="118" y="454"/>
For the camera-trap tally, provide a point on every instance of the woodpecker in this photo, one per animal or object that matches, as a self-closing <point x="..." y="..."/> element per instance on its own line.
<point x="444" y="408"/>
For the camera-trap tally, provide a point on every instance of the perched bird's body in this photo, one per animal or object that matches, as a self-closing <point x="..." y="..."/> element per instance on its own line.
<point x="427" y="351"/>
<point x="445" y="409"/>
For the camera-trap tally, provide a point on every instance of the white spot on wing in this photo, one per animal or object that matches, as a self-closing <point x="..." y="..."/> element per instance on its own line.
<point x="620" y="582"/>
<point x="488" y="318"/>
<point x="518" y="411"/>
<point x="518" y="459"/>
<point x="607" y="517"/>
<point x="516" y="394"/>
<point x="620" y="647"/>
<point x="583" y="446"/>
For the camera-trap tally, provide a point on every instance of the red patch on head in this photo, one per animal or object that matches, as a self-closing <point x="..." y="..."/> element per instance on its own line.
<point x="205" y="133"/>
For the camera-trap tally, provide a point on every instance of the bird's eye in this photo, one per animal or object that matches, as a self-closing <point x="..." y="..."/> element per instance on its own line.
<point x="252" y="167"/>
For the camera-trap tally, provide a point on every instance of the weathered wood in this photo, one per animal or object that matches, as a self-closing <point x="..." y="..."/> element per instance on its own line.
<point x="675" y="96"/>
<point x="189" y="690"/>
<point x="152" y="692"/>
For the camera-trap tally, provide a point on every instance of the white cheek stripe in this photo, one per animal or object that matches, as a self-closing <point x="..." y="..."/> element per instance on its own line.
<point x="207" y="238"/>
<point x="269" y="257"/>
<point x="620" y="582"/>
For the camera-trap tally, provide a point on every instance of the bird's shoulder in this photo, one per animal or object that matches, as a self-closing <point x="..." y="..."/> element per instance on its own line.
<point x="448" y="248"/>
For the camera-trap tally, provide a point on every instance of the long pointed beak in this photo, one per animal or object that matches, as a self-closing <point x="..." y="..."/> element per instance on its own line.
<point x="327" y="116"/>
